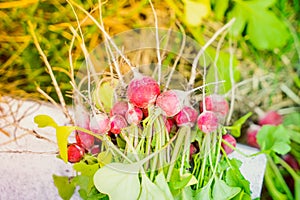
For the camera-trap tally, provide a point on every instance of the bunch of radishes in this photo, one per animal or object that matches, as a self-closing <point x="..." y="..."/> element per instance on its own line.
<point x="144" y="93"/>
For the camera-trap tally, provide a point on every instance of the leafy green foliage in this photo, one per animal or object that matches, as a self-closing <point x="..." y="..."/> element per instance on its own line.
<point x="103" y="95"/>
<point x="223" y="191"/>
<point x="161" y="183"/>
<point x="118" y="181"/>
<point x="149" y="190"/>
<point x="62" y="133"/>
<point x="179" y="182"/>
<point x="234" y="178"/>
<point x="65" y="187"/>
<point x="264" y="29"/>
<point x="237" y="125"/>
<point x="274" y="138"/>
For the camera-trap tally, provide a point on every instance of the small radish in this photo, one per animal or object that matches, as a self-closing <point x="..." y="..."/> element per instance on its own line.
<point x="229" y="139"/>
<point x="99" y="123"/>
<point x="75" y="153"/>
<point x="143" y="91"/>
<point x="145" y="112"/>
<point x="271" y="118"/>
<point x="85" y="140"/>
<point x="169" y="102"/>
<point x="119" y="108"/>
<point x="193" y="150"/>
<point x="170" y="125"/>
<point x="207" y="122"/>
<point x="251" y="135"/>
<point x="172" y="101"/>
<point x="134" y="115"/>
<point x="217" y="104"/>
<point x="186" y="117"/>
<point x="82" y="119"/>
<point x="117" y="122"/>
<point x="291" y="160"/>
<point x="95" y="149"/>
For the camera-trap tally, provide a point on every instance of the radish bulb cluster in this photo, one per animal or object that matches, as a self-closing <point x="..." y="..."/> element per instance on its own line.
<point x="143" y="98"/>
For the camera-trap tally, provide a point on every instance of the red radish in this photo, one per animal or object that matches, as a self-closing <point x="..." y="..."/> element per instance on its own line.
<point x="82" y="119"/>
<point x="117" y="122"/>
<point x="217" y="104"/>
<point x="251" y="135"/>
<point x="145" y="112"/>
<point x="142" y="92"/>
<point x="193" y="150"/>
<point x="169" y="102"/>
<point x="119" y="108"/>
<point x="75" y="153"/>
<point x="95" y="149"/>
<point x="271" y="118"/>
<point x="170" y="125"/>
<point x="186" y="117"/>
<point x="99" y="123"/>
<point x="172" y="101"/>
<point x="290" y="159"/>
<point x="134" y="115"/>
<point x="85" y="140"/>
<point x="207" y="122"/>
<point x="229" y="139"/>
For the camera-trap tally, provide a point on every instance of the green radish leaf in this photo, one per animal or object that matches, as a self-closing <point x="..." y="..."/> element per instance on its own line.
<point x="237" y="125"/>
<point x="162" y="184"/>
<point x="64" y="186"/>
<point x="234" y="177"/>
<point x="243" y="196"/>
<point x="178" y="182"/>
<point x="104" y="158"/>
<point x="205" y="192"/>
<point x="149" y="190"/>
<point x="62" y="134"/>
<point x="84" y="182"/>
<point x="220" y="8"/>
<point x="186" y="194"/>
<point x="264" y="29"/>
<point x="44" y="120"/>
<point x="274" y="138"/>
<point x="118" y="181"/>
<point x="222" y="191"/>
<point x="85" y="169"/>
<point x="103" y="95"/>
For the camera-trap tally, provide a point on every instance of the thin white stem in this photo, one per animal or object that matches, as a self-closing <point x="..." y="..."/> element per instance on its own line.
<point x="216" y="60"/>
<point x="231" y="74"/>
<point x="204" y="82"/>
<point x="209" y="42"/>
<point x="108" y="49"/>
<point x="89" y="64"/>
<point x="157" y="43"/>
<point x="103" y="31"/>
<point x="177" y="58"/>
<point x="54" y="81"/>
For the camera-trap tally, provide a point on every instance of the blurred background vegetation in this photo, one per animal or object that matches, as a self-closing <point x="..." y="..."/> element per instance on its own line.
<point x="265" y="38"/>
<point x="265" y="35"/>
